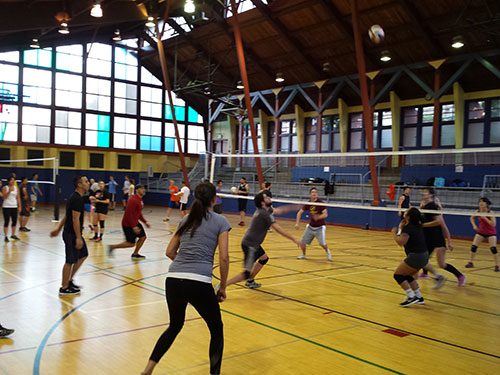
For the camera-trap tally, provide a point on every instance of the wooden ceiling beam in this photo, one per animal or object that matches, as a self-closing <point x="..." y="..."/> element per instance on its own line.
<point x="285" y="35"/>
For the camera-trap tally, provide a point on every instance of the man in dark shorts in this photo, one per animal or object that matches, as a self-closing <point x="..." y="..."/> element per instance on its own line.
<point x="132" y="228"/>
<point x="243" y="190"/>
<point x="74" y="244"/>
<point x="255" y="256"/>
<point x="25" y="205"/>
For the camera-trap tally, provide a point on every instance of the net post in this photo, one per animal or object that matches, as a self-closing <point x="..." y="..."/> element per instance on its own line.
<point x="57" y="193"/>
<point x="212" y="168"/>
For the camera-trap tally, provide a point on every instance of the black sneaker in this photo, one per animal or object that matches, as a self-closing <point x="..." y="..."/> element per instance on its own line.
<point x="166" y="219"/>
<point x="137" y="256"/>
<point x="22" y="229"/>
<point x="14" y="237"/>
<point x="409" y="301"/>
<point x="68" y="291"/>
<point x="6" y="239"/>
<point x="27" y="229"/>
<point x="74" y="286"/>
<point x="95" y="238"/>
<point x="420" y="301"/>
<point x="5" y="331"/>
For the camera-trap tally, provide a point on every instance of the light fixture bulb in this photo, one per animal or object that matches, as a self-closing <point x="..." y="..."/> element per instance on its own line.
<point x="63" y="29"/>
<point x="189" y="6"/>
<point x="117" y="37"/>
<point x="150" y="22"/>
<point x="240" y="86"/>
<point x="386" y="56"/>
<point x="279" y="78"/>
<point x="458" y="42"/>
<point x="96" y="10"/>
<point x="34" y="43"/>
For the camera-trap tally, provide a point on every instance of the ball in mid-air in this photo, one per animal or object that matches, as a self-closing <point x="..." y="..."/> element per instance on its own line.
<point x="376" y="34"/>
<point x="234" y="189"/>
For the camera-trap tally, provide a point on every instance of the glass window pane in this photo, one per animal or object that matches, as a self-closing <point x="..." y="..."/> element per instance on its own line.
<point x="295" y="144"/>
<point x="410" y="116"/>
<point x="9" y="73"/>
<point x="448" y="112"/>
<point x="495" y="132"/>
<point x="38" y="57"/>
<point x="37" y="77"/>
<point x="169" y="144"/>
<point x="325" y="142"/>
<point x="477" y="110"/>
<point x="311" y="143"/>
<point x="355" y="140"/>
<point x="284" y="144"/>
<point x="192" y="115"/>
<point x="285" y="127"/>
<point x="475" y="134"/>
<point x="426" y="136"/>
<point x="428" y="115"/>
<point x="386" y="138"/>
<point x="386" y="118"/>
<point x="410" y="137"/>
<point x="336" y="141"/>
<point x="447" y="135"/>
<point x="9" y="123"/>
<point x="356" y="121"/>
<point x="311" y="124"/>
<point x="9" y="56"/>
<point x="495" y="108"/>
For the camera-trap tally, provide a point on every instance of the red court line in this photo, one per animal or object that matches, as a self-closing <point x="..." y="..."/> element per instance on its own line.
<point x="18" y="350"/>
<point x="396" y="332"/>
<point x="137" y="286"/>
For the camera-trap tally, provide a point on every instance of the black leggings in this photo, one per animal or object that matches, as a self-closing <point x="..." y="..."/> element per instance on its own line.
<point x="8" y="214"/>
<point x="201" y="295"/>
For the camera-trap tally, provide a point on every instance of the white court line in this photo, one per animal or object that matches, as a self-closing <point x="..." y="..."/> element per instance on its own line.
<point x="126" y="306"/>
<point x="43" y="291"/>
<point x="314" y="278"/>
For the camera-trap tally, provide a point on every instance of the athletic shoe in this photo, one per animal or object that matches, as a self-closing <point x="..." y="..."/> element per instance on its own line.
<point x="6" y="239"/>
<point x="110" y="251"/>
<point x="497" y="269"/>
<point x="5" y="331"/>
<point x="27" y="229"/>
<point x="166" y="219"/>
<point x="439" y="282"/>
<point x="137" y="256"/>
<point x="74" y="286"/>
<point x="68" y="291"/>
<point x="98" y="239"/>
<point x="14" y="237"/>
<point x="420" y="301"/>
<point x="303" y="256"/>
<point x="461" y="280"/>
<point x="22" y="229"/>
<point x="469" y="265"/>
<point x="95" y="238"/>
<point x="409" y="301"/>
<point x="241" y="223"/>
<point x="423" y="276"/>
<point x="328" y="255"/>
<point x="252" y="285"/>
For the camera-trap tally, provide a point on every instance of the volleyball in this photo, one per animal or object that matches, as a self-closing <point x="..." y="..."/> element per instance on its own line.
<point x="234" y="189"/>
<point x="376" y="34"/>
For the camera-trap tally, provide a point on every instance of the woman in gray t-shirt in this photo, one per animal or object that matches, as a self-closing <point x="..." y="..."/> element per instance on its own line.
<point x="189" y="279"/>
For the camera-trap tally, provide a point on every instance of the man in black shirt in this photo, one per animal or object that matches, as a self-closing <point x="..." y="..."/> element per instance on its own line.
<point x="102" y="199"/>
<point x="75" y="247"/>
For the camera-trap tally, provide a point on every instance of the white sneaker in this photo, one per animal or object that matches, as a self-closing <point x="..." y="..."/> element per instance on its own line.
<point x="303" y="256"/>
<point x="328" y="255"/>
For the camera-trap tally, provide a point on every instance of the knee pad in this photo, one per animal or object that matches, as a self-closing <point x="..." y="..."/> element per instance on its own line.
<point x="399" y="278"/>
<point x="101" y="223"/>
<point x="264" y="261"/>
<point x="246" y="274"/>
<point x="410" y="279"/>
<point x="473" y="248"/>
<point x="494" y="250"/>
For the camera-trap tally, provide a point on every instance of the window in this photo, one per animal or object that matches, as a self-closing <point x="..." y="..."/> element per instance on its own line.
<point x="35" y="154"/>
<point x="125" y="98"/>
<point x="196" y="139"/>
<point x="151" y="99"/>
<point x="288" y="136"/>
<point x="36" y="125"/>
<point x="355" y="131"/>
<point x="124" y="161"/>
<point x="10" y="56"/>
<point x="150" y="138"/>
<point x="68" y="90"/>
<point x="271" y="126"/>
<point x="330" y="133"/>
<point x="9" y="79"/>
<point x="38" y="57"/>
<point x="68" y="128"/>
<point x="97" y="130"/>
<point x="70" y="58"/>
<point x="170" y="141"/>
<point x="99" y="59"/>
<point x="447" y="128"/>
<point x="37" y="84"/>
<point x="482" y="126"/>
<point x="247" y="138"/>
<point x="96" y="160"/>
<point x="382" y="130"/>
<point x="311" y="125"/>
<point x="194" y="116"/>
<point x="99" y="94"/>
<point x="125" y="64"/>
<point x="149" y="78"/>
<point x="66" y="159"/>
<point x="4" y="154"/>
<point x="417" y="126"/>
<point x="9" y="122"/>
<point x="180" y="113"/>
<point x="125" y="133"/>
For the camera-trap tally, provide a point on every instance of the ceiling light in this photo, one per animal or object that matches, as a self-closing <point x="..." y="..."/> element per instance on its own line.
<point x="386" y="56"/>
<point x="207" y="91"/>
<point x="189" y="6"/>
<point x="96" y="10"/>
<point x="240" y="86"/>
<point x="63" y="28"/>
<point x="34" y="43"/>
<point x="458" y="42"/>
<point x="150" y="22"/>
<point x="116" y="36"/>
<point x="279" y="78"/>
<point x="326" y="67"/>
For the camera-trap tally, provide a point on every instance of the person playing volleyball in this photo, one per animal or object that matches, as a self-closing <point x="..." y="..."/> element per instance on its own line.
<point x="486" y="231"/>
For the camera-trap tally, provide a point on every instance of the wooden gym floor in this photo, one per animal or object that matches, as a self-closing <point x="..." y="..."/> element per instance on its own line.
<point x="310" y="316"/>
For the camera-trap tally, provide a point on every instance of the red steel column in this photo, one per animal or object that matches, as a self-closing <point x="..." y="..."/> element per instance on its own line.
<point x="367" y="112"/>
<point x="244" y="78"/>
<point x="437" y="110"/>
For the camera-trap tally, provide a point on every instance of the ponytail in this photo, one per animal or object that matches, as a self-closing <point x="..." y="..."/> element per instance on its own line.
<point x="204" y="194"/>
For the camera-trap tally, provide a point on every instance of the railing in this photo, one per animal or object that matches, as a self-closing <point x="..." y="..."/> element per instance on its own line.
<point x="490" y="181"/>
<point x="378" y="165"/>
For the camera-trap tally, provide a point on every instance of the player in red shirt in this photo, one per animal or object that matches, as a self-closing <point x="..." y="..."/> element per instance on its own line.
<point x="132" y="228"/>
<point x="174" y="199"/>
<point x="316" y="227"/>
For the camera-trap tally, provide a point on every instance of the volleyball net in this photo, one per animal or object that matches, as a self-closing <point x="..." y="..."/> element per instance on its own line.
<point x="344" y="181"/>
